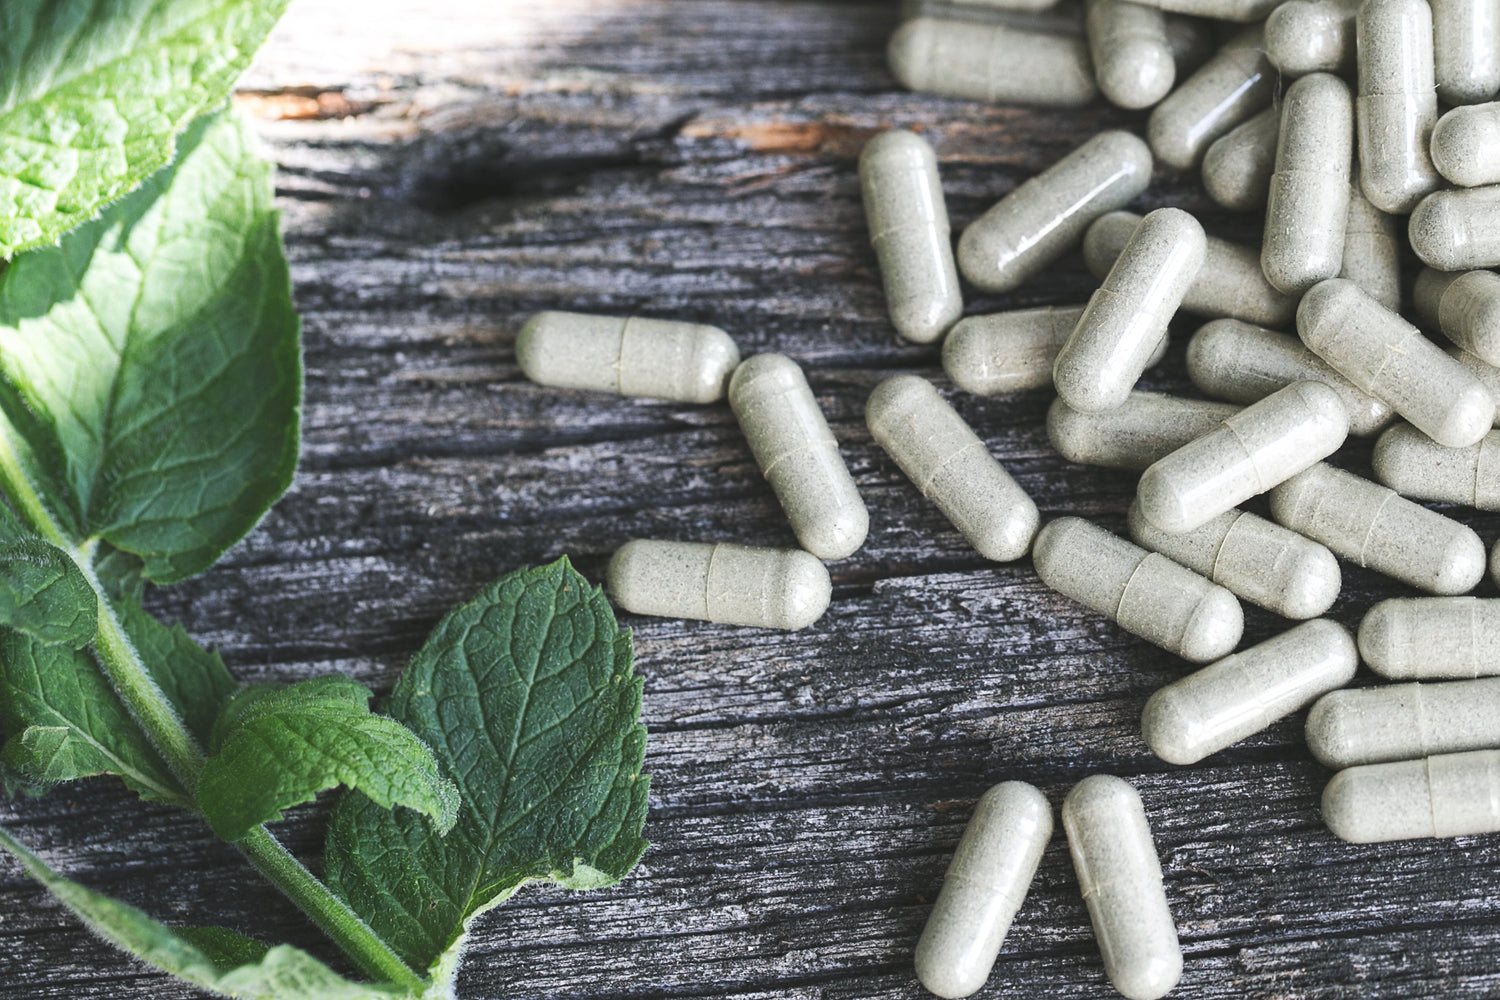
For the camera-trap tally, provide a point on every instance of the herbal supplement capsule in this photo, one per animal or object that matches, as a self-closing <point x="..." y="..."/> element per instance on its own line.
<point x="1432" y="638"/>
<point x="1457" y="230"/>
<point x="1131" y="52"/>
<point x="1447" y="795"/>
<point x="1229" y="283"/>
<point x="1264" y="444"/>
<point x="1232" y="360"/>
<point x="1310" y="36"/>
<point x="950" y="465"/>
<point x="1252" y="558"/>
<point x="1307" y="204"/>
<point x="1144" y="593"/>
<point x="1046" y="216"/>
<point x="1146" y="427"/>
<point x="1242" y="694"/>
<point x="1011" y="351"/>
<point x="1397" y="104"/>
<point x="732" y="584"/>
<point x="1404" y="722"/>
<point x="658" y="358"/>
<point x="1389" y="358"/>
<point x="1372" y="249"/>
<point x="1465" y="306"/>
<point x="995" y="63"/>
<point x="908" y="220"/>
<point x="1237" y="167"/>
<point x="1376" y="528"/>
<point x="798" y="454"/>
<point x="996" y="859"/>
<point x="1482" y="370"/>
<point x="1232" y="86"/>
<point x="1466" y="49"/>
<point x="1466" y="145"/>
<point x="1414" y="465"/>
<point x="1120" y="876"/>
<point x="1128" y="315"/>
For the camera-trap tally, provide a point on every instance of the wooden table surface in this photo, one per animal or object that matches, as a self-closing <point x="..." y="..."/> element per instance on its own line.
<point x="447" y="169"/>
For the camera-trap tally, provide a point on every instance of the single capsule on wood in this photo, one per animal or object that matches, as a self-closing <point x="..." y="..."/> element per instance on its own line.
<point x="1131" y="52"/>
<point x="1243" y="363"/>
<point x="1372" y="249"/>
<point x="1264" y="444"/>
<point x="995" y="63"/>
<point x="1466" y="145"/>
<point x="1397" y="104"/>
<point x="1237" y="167"/>
<point x="1466" y="49"/>
<point x="1012" y="351"/>
<point x="1414" y="465"/>
<point x="732" y="584"/>
<point x="1446" y="795"/>
<point x="898" y="174"/>
<point x="798" y="455"/>
<point x="1252" y="558"/>
<point x="1148" y="426"/>
<point x="1465" y="306"/>
<point x="1404" y="721"/>
<point x="1231" y="87"/>
<point x="1128" y="315"/>
<point x="1144" y="593"/>
<point x="1242" y="694"/>
<point x="995" y="862"/>
<point x="1374" y="527"/>
<point x="1120" y="875"/>
<point x="1389" y="358"/>
<point x="1307" y="205"/>
<point x="1310" y="36"/>
<point x="1230" y="282"/>
<point x="1482" y="370"/>
<point x="951" y="466"/>
<point x="1045" y="217"/>
<point x="1432" y="638"/>
<point x="1457" y="230"/>
<point x="656" y="358"/>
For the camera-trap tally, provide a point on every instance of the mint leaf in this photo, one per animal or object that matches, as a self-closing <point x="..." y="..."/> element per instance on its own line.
<point x="194" y="680"/>
<point x="285" y="746"/>
<point x="150" y="364"/>
<point x="213" y="958"/>
<point x="527" y="697"/>
<point x="91" y="95"/>
<point x="42" y="591"/>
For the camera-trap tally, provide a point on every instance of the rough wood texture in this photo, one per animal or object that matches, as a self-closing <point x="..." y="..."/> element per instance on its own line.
<point x="446" y="171"/>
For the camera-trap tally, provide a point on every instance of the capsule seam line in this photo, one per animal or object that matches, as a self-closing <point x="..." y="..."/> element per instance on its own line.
<point x="1375" y="520"/>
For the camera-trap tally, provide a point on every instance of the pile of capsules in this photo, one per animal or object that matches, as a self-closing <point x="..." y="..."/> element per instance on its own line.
<point x="1331" y="170"/>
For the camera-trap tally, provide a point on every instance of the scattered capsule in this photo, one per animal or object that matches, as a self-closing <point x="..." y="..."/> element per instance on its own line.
<point x="1466" y="49"/>
<point x="948" y="462"/>
<point x="1147" y="427"/>
<point x="898" y="174"/>
<point x="1254" y="559"/>
<point x="1131" y="52"/>
<point x="993" y="866"/>
<point x="1397" y="102"/>
<point x="1311" y="36"/>
<point x="991" y="62"/>
<point x="1231" y="87"/>
<point x="1372" y="249"/>
<point x="1404" y="721"/>
<point x="1432" y="638"/>
<point x="1240" y="695"/>
<point x="1465" y="306"/>
<point x="1237" y="167"/>
<point x="657" y="358"/>
<point x="1307" y="204"/>
<point x="1120" y="875"/>
<point x="799" y="455"/>
<point x="1414" y="465"/>
<point x="1128" y="315"/>
<point x="1375" y="527"/>
<point x="1457" y="230"/>
<point x="1466" y="145"/>
<point x="1230" y="282"/>
<point x="1144" y="593"/>
<point x="1264" y="444"/>
<point x="1233" y="360"/>
<point x="1045" y="217"/>
<point x="732" y="584"/>
<point x="1446" y="795"/>
<point x="1389" y="358"/>
<point x="1239" y="11"/>
<point x="1012" y="351"/>
<point x="1482" y="370"/>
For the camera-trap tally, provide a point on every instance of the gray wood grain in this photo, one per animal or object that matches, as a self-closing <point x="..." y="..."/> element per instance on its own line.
<point x="442" y="176"/>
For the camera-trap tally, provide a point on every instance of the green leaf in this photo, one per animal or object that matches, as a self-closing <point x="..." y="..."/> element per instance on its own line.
<point x="527" y="696"/>
<point x="150" y="366"/>
<point x="42" y="591"/>
<point x="216" y="959"/>
<point x="194" y="680"/>
<point x="92" y="94"/>
<point x="283" y="747"/>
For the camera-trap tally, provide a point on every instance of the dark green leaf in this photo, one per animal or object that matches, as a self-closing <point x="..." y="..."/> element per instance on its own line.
<point x="527" y="696"/>
<point x="42" y="591"/>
